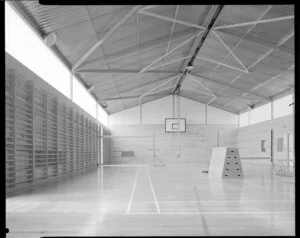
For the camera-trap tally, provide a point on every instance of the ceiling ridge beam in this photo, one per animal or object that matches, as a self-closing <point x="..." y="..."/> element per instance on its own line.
<point x="194" y="55"/>
<point x="106" y="35"/>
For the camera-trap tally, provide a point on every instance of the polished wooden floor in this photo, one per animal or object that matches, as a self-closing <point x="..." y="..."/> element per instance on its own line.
<point x="144" y="200"/>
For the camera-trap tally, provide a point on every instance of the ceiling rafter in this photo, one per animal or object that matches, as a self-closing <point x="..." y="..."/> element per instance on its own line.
<point x="259" y="85"/>
<point x="170" y="19"/>
<point x="216" y="14"/>
<point x="133" y="87"/>
<point x="106" y="35"/>
<point x="142" y="47"/>
<point x="241" y="40"/>
<point x="171" y="33"/>
<point x="255" y="22"/>
<point x="227" y="85"/>
<point x="175" y="48"/>
<point x="123" y="71"/>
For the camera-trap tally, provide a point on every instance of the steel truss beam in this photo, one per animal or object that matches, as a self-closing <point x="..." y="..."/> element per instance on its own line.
<point x="123" y="71"/>
<point x="216" y="14"/>
<point x="259" y="86"/>
<point x="229" y="86"/>
<point x="170" y="19"/>
<point x="251" y="39"/>
<point x="241" y="40"/>
<point x="138" y="85"/>
<point x="129" y="52"/>
<point x="130" y="97"/>
<point x="106" y="35"/>
<point x="254" y="22"/>
<point x="175" y="48"/>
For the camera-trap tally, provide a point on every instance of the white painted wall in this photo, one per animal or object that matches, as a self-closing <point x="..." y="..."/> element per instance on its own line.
<point x="218" y="116"/>
<point x="194" y="112"/>
<point x="244" y="119"/>
<point x="156" y="111"/>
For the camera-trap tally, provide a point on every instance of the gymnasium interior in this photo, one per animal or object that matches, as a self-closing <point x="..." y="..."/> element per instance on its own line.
<point x="149" y="120"/>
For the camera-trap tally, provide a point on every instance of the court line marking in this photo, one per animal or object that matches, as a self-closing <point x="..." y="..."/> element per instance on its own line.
<point x="212" y="213"/>
<point x="132" y="191"/>
<point x="152" y="189"/>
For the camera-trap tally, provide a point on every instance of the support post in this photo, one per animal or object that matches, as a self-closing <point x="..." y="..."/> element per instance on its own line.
<point x="153" y="147"/>
<point x="57" y="137"/>
<point x="71" y="86"/>
<point x="178" y="106"/>
<point x="272" y="109"/>
<point x="272" y="146"/>
<point x="141" y="112"/>
<point x="173" y="102"/>
<point x="65" y="137"/>
<point x="206" y="114"/>
<point x="32" y="121"/>
<point x="249" y="116"/>
<point x="102" y="148"/>
<point x="45" y="175"/>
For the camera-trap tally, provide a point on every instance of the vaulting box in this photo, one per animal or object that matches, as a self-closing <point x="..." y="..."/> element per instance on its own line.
<point x="225" y="163"/>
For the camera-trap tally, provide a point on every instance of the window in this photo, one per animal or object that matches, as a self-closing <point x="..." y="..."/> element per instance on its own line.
<point x="282" y="106"/>
<point x="102" y="115"/>
<point x="83" y="99"/>
<point x="24" y="45"/>
<point x="260" y="114"/>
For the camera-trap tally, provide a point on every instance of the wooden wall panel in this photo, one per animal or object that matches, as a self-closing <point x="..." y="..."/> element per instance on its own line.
<point x="46" y="133"/>
<point x="194" y="145"/>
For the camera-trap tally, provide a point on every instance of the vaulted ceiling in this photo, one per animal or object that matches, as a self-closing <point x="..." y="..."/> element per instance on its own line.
<point x="229" y="56"/>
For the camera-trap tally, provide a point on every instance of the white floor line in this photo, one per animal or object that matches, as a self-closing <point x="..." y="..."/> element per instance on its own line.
<point x="132" y="191"/>
<point x="153" y="193"/>
<point x="256" y="185"/>
<point x="211" y="213"/>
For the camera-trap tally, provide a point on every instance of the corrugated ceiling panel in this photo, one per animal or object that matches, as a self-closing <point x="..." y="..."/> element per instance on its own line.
<point x="233" y="14"/>
<point x="195" y="14"/>
<point x="280" y="11"/>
